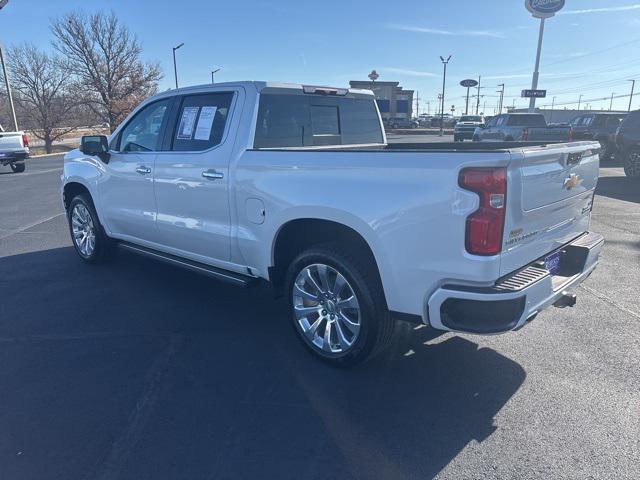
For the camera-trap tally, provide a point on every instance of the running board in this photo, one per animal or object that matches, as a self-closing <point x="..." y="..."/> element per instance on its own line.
<point x="218" y="273"/>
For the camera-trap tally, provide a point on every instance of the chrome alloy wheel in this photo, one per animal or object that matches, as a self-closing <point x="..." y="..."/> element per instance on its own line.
<point x="84" y="233"/>
<point x="326" y="308"/>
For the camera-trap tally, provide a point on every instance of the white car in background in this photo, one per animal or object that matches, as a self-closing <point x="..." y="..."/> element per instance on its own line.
<point x="14" y="149"/>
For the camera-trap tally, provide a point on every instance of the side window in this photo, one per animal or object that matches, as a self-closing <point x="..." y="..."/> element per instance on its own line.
<point x="499" y="121"/>
<point x="282" y="121"/>
<point x="359" y="121"/>
<point x="201" y="121"/>
<point x="576" y="121"/>
<point x="313" y="120"/>
<point x="142" y="133"/>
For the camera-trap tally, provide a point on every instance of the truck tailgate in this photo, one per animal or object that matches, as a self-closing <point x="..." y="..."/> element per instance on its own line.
<point x="11" y="141"/>
<point x="549" y="199"/>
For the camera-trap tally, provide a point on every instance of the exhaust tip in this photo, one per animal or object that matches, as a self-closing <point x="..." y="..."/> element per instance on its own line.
<point x="566" y="300"/>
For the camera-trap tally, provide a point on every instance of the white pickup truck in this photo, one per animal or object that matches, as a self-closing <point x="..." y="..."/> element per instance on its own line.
<point x="14" y="149"/>
<point x="296" y="185"/>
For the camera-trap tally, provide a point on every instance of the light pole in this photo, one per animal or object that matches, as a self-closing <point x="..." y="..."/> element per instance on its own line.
<point x="9" y="94"/>
<point x="633" y="85"/>
<point x="214" y="71"/>
<point x="536" y="73"/>
<point x="444" y="82"/>
<point x="3" y="3"/>
<point x="579" y="101"/>
<point x="553" y="104"/>
<point x="611" y="103"/>
<point x="501" y="91"/>
<point x="175" y="68"/>
<point x="479" y="87"/>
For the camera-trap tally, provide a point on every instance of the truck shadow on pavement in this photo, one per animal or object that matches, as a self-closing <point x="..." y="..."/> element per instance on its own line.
<point x="619" y="188"/>
<point x="138" y="370"/>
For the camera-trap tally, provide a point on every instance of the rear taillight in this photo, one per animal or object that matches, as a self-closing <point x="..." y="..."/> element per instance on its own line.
<point x="485" y="226"/>
<point x="525" y="134"/>
<point x="25" y="140"/>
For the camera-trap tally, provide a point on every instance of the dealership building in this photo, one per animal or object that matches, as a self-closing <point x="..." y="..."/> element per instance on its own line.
<point x="393" y="101"/>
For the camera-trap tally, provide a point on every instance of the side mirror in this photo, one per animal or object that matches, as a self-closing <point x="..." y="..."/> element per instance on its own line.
<point x="97" y="145"/>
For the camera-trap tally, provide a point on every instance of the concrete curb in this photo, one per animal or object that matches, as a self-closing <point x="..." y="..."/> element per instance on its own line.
<point x="47" y="155"/>
<point x="417" y="131"/>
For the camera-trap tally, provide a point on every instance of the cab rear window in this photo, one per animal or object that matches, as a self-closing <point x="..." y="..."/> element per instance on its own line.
<point x="291" y="120"/>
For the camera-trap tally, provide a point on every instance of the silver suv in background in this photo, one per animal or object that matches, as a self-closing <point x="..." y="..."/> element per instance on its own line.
<point x="466" y="127"/>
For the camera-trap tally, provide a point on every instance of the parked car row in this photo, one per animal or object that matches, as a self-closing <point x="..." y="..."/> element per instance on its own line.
<point x="521" y="127"/>
<point x="598" y="126"/>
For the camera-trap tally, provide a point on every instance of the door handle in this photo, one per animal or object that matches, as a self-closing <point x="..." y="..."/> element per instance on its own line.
<point x="142" y="170"/>
<point x="212" y="175"/>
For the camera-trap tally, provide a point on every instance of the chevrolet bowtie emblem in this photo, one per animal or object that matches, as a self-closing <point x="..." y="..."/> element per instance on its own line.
<point x="572" y="181"/>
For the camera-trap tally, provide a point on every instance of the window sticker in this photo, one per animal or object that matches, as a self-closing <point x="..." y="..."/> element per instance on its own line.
<point x="205" y="123"/>
<point x="188" y="120"/>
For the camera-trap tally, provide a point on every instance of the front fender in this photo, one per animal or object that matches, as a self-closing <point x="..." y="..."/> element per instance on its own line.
<point x="86" y="171"/>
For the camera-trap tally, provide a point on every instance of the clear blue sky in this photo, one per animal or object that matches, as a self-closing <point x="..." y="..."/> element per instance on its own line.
<point x="591" y="48"/>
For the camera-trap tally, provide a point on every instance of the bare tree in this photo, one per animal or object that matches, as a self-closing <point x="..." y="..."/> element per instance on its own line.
<point x="42" y="84"/>
<point x="105" y="57"/>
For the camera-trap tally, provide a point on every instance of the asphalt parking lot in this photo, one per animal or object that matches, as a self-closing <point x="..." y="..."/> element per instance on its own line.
<point x="136" y="370"/>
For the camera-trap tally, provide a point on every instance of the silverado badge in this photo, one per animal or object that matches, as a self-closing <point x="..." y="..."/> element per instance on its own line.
<point x="572" y="181"/>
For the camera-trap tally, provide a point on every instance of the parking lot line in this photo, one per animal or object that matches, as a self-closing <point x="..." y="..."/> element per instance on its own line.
<point x="31" y="225"/>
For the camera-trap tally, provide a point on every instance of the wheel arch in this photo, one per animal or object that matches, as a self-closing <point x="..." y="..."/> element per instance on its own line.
<point x="71" y="190"/>
<point x="298" y="234"/>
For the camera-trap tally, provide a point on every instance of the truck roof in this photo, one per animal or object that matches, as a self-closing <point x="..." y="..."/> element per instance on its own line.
<point x="261" y="85"/>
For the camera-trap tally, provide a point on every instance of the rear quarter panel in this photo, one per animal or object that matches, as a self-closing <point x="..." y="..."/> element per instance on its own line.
<point x="406" y="205"/>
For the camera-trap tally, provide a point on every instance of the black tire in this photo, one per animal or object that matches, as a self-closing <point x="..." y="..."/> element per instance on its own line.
<point x="104" y="246"/>
<point x="18" y="167"/>
<point x="632" y="164"/>
<point x="375" y="324"/>
<point x="605" y="151"/>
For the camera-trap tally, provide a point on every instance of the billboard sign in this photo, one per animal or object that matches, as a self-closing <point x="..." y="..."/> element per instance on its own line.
<point x="469" y="82"/>
<point x="534" y="94"/>
<point x="544" y="8"/>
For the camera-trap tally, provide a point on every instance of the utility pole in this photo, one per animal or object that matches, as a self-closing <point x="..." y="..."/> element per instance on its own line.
<point x="553" y="103"/>
<point x="479" y="87"/>
<point x="501" y="91"/>
<point x="444" y="82"/>
<point x="466" y="108"/>
<point x="633" y="85"/>
<point x="175" y="68"/>
<point x="536" y="73"/>
<point x="417" y="103"/>
<point x="611" y="103"/>
<point x="579" y="101"/>
<point x="214" y="71"/>
<point x="9" y="94"/>
<point x="428" y="108"/>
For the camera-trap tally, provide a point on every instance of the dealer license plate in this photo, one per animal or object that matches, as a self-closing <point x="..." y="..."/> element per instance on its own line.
<point x="552" y="263"/>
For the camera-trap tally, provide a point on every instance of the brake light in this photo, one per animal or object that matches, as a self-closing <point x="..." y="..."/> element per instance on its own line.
<point x="525" y="134"/>
<point x="485" y="226"/>
<point x="25" y="140"/>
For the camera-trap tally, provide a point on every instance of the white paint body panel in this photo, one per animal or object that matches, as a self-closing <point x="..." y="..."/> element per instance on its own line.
<point x="406" y="205"/>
